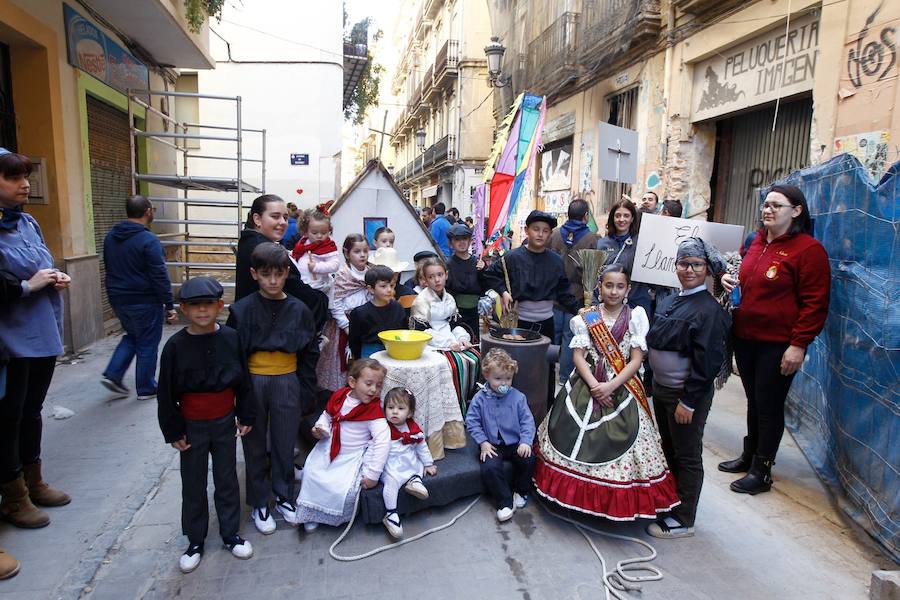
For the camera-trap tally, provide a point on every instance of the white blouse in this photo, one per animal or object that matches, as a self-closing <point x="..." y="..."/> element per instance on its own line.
<point x="359" y="434"/>
<point x="437" y="312"/>
<point x="635" y="337"/>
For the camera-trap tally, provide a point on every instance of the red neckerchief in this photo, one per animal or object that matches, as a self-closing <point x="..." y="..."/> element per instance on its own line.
<point x="326" y="246"/>
<point x="413" y="436"/>
<point x="361" y="412"/>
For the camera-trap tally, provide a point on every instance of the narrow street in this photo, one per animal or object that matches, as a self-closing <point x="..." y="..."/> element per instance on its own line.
<point x="120" y="537"/>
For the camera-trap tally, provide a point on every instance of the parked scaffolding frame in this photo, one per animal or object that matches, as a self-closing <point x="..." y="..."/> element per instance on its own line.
<point x="177" y="138"/>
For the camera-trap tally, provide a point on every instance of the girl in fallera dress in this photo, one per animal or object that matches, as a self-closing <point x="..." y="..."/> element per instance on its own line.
<point x="354" y="441"/>
<point x="349" y="292"/>
<point x="598" y="451"/>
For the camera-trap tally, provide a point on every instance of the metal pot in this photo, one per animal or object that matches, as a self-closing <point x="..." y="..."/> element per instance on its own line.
<point x="527" y="335"/>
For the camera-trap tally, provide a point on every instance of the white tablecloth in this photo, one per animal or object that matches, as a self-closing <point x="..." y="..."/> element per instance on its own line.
<point x="437" y="409"/>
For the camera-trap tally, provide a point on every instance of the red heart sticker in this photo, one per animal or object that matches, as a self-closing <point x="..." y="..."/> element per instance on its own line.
<point x="299" y="191"/>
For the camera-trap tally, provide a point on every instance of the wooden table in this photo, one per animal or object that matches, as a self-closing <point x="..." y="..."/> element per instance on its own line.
<point x="437" y="409"/>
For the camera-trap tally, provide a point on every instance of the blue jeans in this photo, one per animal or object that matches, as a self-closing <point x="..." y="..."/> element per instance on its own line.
<point x="143" y="325"/>
<point x="566" y="362"/>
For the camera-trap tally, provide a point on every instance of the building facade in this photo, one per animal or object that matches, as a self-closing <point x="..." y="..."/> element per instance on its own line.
<point x="725" y="97"/>
<point x="65" y="68"/>
<point x="440" y="86"/>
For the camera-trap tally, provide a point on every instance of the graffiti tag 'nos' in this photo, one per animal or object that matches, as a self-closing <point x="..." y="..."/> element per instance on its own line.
<point x="875" y="58"/>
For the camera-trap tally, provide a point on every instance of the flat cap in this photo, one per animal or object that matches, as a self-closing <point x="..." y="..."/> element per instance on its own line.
<point x="423" y="255"/>
<point x="539" y="215"/>
<point x="459" y="231"/>
<point x="197" y="289"/>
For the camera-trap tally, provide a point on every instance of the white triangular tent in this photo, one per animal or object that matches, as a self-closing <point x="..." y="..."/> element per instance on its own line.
<point x="372" y="199"/>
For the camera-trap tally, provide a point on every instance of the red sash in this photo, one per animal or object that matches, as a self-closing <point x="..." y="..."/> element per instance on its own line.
<point x="206" y="406"/>
<point x="413" y="436"/>
<point x="361" y="412"/>
<point x="607" y="345"/>
<point x="326" y="246"/>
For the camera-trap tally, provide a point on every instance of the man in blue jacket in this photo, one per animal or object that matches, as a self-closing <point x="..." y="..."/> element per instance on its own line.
<point x="439" y="228"/>
<point x="140" y="293"/>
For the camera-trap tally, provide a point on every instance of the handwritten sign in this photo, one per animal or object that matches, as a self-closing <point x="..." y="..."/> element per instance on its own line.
<point x="774" y="65"/>
<point x="658" y="240"/>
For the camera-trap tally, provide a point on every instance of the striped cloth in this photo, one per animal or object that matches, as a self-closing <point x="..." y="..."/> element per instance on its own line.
<point x="465" y="367"/>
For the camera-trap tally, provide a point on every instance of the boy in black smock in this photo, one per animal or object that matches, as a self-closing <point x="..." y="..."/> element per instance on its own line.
<point x="465" y="279"/>
<point x="537" y="278"/>
<point x="204" y="394"/>
<point x="278" y="337"/>
<point x="687" y="351"/>
<point x="381" y="313"/>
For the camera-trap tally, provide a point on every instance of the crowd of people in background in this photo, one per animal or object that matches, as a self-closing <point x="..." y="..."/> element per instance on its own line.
<point x="622" y="439"/>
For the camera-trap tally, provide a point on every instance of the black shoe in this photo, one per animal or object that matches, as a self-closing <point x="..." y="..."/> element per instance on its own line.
<point x="740" y="464"/>
<point x="190" y="560"/>
<point x="239" y="547"/>
<point x="757" y="480"/>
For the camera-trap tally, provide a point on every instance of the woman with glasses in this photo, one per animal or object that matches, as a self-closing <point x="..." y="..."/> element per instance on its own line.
<point x="687" y="350"/>
<point x="784" y="281"/>
<point x="620" y="243"/>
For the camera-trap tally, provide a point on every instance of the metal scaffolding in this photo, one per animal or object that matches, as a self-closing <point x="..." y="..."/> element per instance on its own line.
<point x="222" y="192"/>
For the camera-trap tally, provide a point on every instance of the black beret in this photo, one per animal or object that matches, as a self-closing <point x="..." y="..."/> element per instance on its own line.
<point x="196" y="289"/>
<point x="539" y="215"/>
<point x="423" y="255"/>
<point x="459" y="231"/>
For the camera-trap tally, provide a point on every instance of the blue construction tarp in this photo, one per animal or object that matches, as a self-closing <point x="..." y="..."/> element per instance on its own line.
<point x="844" y="405"/>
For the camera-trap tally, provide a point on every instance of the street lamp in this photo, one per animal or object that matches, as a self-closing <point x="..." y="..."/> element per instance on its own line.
<point x="420" y="139"/>
<point x="494" y="52"/>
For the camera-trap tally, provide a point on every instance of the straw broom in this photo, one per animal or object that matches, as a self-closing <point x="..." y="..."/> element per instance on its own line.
<point x="591" y="262"/>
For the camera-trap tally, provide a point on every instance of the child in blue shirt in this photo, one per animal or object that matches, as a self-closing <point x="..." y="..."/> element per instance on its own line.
<point x="500" y="422"/>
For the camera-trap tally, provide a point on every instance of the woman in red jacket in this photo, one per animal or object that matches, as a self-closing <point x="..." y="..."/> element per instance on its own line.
<point x="785" y="281"/>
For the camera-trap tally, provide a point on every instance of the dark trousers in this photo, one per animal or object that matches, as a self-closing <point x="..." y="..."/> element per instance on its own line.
<point x="278" y="409"/>
<point x="143" y="325"/>
<point x="759" y="364"/>
<point x="546" y="328"/>
<point x="27" y="382"/>
<point x="210" y="438"/>
<point x="469" y="316"/>
<point x="495" y="480"/>
<point x="683" y="447"/>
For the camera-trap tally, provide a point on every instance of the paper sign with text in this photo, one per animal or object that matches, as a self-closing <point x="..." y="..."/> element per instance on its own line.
<point x="658" y="239"/>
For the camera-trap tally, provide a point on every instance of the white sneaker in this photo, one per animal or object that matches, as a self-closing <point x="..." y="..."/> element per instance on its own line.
<point x="263" y="520"/>
<point x="240" y="548"/>
<point x="392" y="523"/>
<point x="520" y="501"/>
<point x="288" y="510"/>
<point x="416" y="488"/>
<point x="505" y="513"/>
<point x="310" y="526"/>
<point x="190" y="560"/>
<point x="146" y="397"/>
<point x="669" y="528"/>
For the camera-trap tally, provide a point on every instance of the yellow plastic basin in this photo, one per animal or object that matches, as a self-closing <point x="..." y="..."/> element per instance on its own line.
<point x="404" y="344"/>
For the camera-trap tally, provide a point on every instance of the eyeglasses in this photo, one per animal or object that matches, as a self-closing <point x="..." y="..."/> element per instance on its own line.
<point x="773" y="205"/>
<point x="696" y="267"/>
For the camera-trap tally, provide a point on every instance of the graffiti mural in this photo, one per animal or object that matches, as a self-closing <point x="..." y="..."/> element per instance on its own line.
<point x="873" y="55"/>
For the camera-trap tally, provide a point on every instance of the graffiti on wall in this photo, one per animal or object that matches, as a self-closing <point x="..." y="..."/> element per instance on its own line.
<point x="872" y="57"/>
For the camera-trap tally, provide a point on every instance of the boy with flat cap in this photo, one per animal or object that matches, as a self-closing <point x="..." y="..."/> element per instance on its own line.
<point x="537" y="279"/>
<point x="412" y="283"/>
<point x="205" y="403"/>
<point x="465" y="276"/>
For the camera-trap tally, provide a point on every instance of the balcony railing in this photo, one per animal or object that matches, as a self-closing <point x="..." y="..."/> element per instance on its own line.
<point x="446" y="63"/>
<point x="553" y="55"/>
<point x="444" y="149"/>
<point x="613" y="29"/>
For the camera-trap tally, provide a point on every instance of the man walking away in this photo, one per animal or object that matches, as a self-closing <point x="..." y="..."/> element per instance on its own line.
<point x="140" y="292"/>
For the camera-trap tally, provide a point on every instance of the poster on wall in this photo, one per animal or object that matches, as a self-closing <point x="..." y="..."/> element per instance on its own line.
<point x="871" y="148"/>
<point x="556" y="179"/>
<point x="773" y="65"/>
<point x="95" y="53"/>
<point x="658" y="239"/>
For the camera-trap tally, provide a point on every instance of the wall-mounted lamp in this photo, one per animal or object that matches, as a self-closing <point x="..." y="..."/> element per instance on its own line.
<point x="494" y="52"/>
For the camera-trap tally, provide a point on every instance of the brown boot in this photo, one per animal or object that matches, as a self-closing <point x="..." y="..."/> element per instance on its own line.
<point x="41" y="493"/>
<point x="16" y="506"/>
<point x="9" y="566"/>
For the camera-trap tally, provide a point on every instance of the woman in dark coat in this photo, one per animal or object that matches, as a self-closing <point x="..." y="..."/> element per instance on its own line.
<point x="267" y="222"/>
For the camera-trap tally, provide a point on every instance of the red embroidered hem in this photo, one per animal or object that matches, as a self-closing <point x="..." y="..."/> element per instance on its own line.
<point x="622" y="501"/>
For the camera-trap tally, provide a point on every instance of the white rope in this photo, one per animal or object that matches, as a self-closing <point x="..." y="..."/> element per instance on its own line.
<point x="336" y="556"/>
<point x="623" y="578"/>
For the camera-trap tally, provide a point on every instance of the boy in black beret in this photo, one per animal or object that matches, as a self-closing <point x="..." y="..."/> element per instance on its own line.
<point x="205" y="398"/>
<point x="465" y="280"/>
